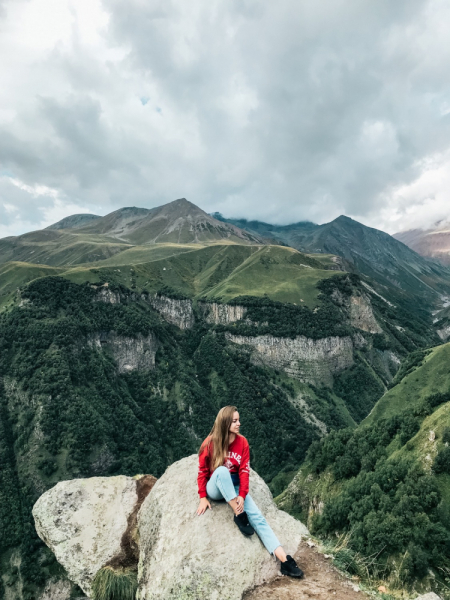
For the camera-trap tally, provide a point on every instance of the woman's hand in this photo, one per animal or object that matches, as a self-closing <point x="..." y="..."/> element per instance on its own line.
<point x="203" y="506"/>
<point x="240" y="504"/>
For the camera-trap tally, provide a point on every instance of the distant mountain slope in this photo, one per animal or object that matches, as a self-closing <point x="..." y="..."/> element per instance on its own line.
<point x="79" y="239"/>
<point x="59" y="247"/>
<point x="366" y="250"/>
<point x="177" y="222"/>
<point x="74" y="221"/>
<point x="433" y="243"/>
<point x="282" y="233"/>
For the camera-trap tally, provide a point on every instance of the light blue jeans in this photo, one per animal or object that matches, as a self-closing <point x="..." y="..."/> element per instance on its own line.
<point x="220" y="487"/>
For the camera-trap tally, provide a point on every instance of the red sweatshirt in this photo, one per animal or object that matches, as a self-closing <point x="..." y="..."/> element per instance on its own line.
<point x="237" y="461"/>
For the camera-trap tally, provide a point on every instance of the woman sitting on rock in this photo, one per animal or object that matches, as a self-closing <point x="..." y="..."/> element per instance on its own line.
<point x="223" y="473"/>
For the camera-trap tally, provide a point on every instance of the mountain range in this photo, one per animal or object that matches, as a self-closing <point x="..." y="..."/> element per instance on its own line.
<point x="121" y="336"/>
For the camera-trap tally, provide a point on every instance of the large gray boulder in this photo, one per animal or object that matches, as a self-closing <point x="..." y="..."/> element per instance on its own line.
<point x="186" y="557"/>
<point x="89" y="523"/>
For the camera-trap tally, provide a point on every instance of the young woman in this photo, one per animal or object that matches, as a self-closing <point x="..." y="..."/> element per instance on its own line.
<point x="223" y="473"/>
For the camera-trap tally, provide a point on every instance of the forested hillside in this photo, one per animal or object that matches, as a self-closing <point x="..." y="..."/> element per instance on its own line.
<point x="386" y="484"/>
<point x="67" y="411"/>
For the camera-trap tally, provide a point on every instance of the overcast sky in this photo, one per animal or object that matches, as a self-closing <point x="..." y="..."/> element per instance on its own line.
<point x="279" y="111"/>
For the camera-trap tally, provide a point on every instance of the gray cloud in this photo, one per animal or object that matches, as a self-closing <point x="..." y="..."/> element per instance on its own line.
<point x="280" y="112"/>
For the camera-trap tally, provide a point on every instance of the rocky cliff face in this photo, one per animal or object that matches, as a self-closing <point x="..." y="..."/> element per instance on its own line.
<point x="177" y="312"/>
<point x="108" y="296"/>
<point x="311" y="361"/>
<point x="361" y="314"/>
<point x="221" y="314"/>
<point x="130" y="354"/>
<point x="444" y="333"/>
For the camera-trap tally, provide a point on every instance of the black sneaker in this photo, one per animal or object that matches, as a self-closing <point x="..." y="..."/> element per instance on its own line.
<point x="290" y="568"/>
<point x="243" y="523"/>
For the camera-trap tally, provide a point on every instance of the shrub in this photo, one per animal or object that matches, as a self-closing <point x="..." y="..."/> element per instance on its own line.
<point x="441" y="463"/>
<point x="446" y="435"/>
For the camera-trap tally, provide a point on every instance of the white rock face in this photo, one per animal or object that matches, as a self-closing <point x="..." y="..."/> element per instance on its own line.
<point x="177" y="312"/>
<point x="130" y="353"/>
<point x="312" y="361"/>
<point x="108" y="296"/>
<point x="221" y="314"/>
<point x="361" y="314"/>
<point x="444" y="333"/>
<point x="429" y="596"/>
<point x="82" y="521"/>
<point x="186" y="557"/>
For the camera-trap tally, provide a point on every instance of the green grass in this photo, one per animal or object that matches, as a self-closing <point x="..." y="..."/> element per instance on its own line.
<point x="58" y="248"/>
<point x="431" y="377"/>
<point x="144" y="254"/>
<point x="114" y="584"/>
<point x="218" y="271"/>
<point x="282" y="273"/>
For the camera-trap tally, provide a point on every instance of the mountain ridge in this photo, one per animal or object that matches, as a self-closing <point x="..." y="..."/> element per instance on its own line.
<point x="367" y="250"/>
<point x="179" y="221"/>
<point x="433" y="242"/>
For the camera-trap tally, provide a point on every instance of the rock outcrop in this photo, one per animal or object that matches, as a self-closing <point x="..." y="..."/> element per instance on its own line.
<point x="90" y="523"/>
<point x="444" y="333"/>
<point x="183" y="556"/>
<point x="221" y="314"/>
<point x="177" y="312"/>
<point x="359" y="309"/>
<point x="108" y="296"/>
<point x="361" y="314"/>
<point x="130" y="353"/>
<point x="311" y="361"/>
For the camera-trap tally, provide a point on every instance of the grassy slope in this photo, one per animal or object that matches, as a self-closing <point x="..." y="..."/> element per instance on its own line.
<point x="431" y="377"/>
<point x="221" y="271"/>
<point x="143" y="254"/>
<point x="57" y="248"/>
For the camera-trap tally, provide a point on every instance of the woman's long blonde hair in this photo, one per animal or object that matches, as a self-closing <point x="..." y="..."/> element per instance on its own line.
<point x="218" y="439"/>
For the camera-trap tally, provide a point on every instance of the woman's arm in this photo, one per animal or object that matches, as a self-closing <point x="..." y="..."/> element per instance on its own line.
<point x="203" y="470"/>
<point x="244" y="471"/>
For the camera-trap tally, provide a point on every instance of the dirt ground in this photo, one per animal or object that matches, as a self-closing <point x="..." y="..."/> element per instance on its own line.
<point x="321" y="582"/>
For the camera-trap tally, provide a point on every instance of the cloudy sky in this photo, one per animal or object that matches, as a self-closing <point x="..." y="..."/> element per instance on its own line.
<point x="280" y="111"/>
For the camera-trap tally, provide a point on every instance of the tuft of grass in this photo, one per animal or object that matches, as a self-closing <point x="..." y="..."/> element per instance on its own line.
<point x="367" y="568"/>
<point x="114" y="584"/>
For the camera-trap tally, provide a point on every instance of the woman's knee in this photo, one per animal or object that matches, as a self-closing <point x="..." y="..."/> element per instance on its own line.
<point x="222" y="472"/>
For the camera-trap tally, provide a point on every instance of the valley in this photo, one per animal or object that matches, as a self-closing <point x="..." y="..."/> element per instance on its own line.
<point x="122" y="336"/>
